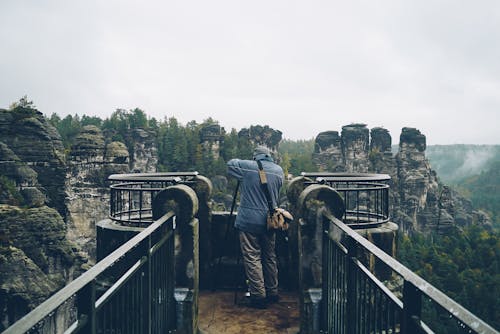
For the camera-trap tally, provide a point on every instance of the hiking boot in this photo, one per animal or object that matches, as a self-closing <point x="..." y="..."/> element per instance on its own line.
<point x="273" y="299"/>
<point x="259" y="303"/>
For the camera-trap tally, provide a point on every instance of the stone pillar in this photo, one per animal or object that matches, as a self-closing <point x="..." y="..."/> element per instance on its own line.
<point x="384" y="237"/>
<point x="211" y="137"/>
<point x="203" y="188"/>
<point x="184" y="201"/>
<point x="145" y="152"/>
<point x="328" y="154"/>
<point x="355" y="139"/>
<point x="380" y="140"/>
<point x="262" y="135"/>
<point x="415" y="178"/>
<point x="311" y="204"/>
<point x="295" y="188"/>
<point x="90" y="162"/>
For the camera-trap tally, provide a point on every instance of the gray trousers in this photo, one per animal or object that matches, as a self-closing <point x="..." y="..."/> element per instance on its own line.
<point x="259" y="260"/>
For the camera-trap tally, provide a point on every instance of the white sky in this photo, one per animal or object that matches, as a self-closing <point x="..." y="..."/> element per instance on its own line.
<point x="298" y="66"/>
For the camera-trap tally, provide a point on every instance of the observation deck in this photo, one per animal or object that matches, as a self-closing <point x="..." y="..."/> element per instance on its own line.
<point x="160" y="264"/>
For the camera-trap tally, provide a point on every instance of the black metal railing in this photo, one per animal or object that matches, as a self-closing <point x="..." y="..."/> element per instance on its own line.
<point x="138" y="299"/>
<point x="131" y="195"/>
<point x="355" y="301"/>
<point x="366" y="196"/>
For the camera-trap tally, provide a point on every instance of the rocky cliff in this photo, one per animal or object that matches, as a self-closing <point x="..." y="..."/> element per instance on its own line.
<point x="36" y="257"/>
<point x="90" y="162"/>
<point x="34" y="142"/>
<point x="144" y="157"/>
<point x="418" y="201"/>
<point x="264" y="136"/>
<point x="51" y="199"/>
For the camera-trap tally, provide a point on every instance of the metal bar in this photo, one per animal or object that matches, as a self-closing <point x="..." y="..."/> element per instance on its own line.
<point x="86" y="306"/>
<point x="368" y="306"/>
<point x="140" y="206"/>
<point x="119" y="283"/>
<point x="412" y="308"/>
<point x="325" y="305"/>
<point x="351" y="320"/>
<point x="129" y="205"/>
<point x="146" y="288"/>
<point x="357" y="205"/>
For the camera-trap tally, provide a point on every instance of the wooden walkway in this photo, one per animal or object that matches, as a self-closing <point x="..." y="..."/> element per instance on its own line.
<point x="219" y="315"/>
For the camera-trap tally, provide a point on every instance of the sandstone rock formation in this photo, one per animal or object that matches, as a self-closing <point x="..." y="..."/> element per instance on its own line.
<point x="18" y="182"/>
<point x="38" y="145"/>
<point x="211" y="137"/>
<point x="90" y="162"/>
<point x="92" y="158"/>
<point x="144" y="157"/>
<point x="36" y="259"/>
<point x="328" y="154"/>
<point x="418" y="201"/>
<point x="355" y="143"/>
<point x="262" y="135"/>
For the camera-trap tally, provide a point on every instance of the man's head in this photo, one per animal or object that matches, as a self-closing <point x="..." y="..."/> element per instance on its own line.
<point x="261" y="152"/>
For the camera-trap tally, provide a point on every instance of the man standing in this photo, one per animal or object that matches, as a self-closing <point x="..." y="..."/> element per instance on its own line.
<point x="257" y="243"/>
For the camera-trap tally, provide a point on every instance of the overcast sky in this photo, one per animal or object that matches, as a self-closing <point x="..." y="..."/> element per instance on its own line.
<point x="298" y="66"/>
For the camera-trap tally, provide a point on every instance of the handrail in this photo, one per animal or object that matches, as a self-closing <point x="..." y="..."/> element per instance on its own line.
<point x="50" y="305"/>
<point x="347" y="177"/>
<point x="131" y="194"/>
<point x="456" y="310"/>
<point x="365" y="195"/>
<point x="162" y="176"/>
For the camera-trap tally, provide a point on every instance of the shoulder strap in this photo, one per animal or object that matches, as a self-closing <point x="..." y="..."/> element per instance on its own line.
<point x="265" y="188"/>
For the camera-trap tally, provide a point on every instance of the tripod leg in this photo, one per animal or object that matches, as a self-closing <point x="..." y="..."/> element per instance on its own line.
<point x="226" y="234"/>
<point x="236" y="277"/>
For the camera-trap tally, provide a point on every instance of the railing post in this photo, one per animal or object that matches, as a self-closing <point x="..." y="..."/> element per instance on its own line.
<point x="146" y="287"/>
<point x="86" y="308"/>
<point x="412" y="308"/>
<point x="351" y="286"/>
<point x="326" y="269"/>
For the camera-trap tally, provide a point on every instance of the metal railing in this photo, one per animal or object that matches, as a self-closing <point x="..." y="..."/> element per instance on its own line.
<point x="366" y="196"/>
<point x="139" y="299"/>
<point x="131" y="195"/>
<point x="355" y="301"/>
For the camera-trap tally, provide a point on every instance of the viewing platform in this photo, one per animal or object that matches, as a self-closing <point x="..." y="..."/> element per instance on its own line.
<point x="167" y="263"/>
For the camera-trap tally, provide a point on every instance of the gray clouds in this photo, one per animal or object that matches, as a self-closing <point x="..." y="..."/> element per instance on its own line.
<point x="302" y="67"/>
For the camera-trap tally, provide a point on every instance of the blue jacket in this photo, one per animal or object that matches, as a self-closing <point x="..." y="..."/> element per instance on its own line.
<point x="253" y="208"/>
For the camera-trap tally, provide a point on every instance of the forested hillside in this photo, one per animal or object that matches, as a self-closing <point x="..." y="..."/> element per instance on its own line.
<point x="484" y="190"/>
<point x="473" y="170"/>
<point x="179" y="145"/>
<point x="453" y="163"/>
<point x="463" y="263"/>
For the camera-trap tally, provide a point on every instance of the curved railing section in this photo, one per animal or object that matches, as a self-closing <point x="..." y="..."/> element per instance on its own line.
<point x="366" y="196"/>
<point x="131" y="195"/>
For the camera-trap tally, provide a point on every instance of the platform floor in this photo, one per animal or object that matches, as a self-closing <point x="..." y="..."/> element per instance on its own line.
<point x="219" y="315"/>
